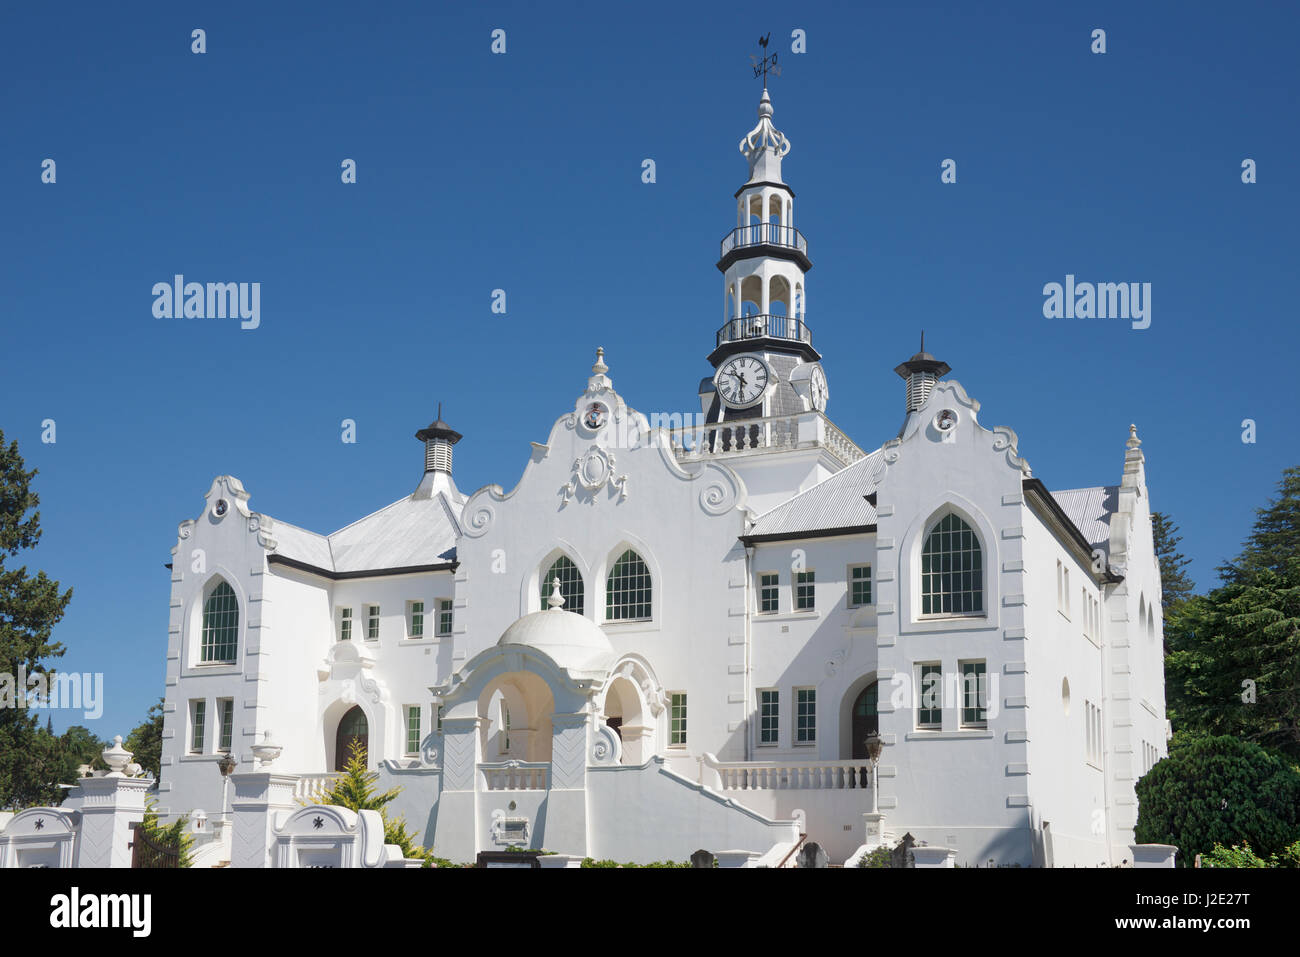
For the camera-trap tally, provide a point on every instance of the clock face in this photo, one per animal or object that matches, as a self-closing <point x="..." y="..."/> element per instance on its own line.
<point x="741" y="380"/>
<point x="820" y="393"/>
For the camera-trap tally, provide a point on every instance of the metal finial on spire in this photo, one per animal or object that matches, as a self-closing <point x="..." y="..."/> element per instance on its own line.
<point x="556" y="600"/>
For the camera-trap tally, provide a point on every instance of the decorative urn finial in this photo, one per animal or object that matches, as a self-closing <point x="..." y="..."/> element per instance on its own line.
<point x="556" y="601"/>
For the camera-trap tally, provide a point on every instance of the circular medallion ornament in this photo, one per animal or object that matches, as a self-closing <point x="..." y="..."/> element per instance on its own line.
<point x="945" y="420"/>
<point x="596" y="415"/>
<point x="220" y="508"/>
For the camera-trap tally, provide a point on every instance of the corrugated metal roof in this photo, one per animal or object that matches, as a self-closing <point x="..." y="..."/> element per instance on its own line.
<point x="835" y="502"/>
<point x="408" y="532"/>
<point x="1090" y="510"/>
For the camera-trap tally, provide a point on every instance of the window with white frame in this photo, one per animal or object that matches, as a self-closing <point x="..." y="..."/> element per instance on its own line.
<point x="437" y="710"/>
<point x="677" y="719"/>
<point x="805" y="590"/>
<point x="444" y="617"/>
<point x="198" y="719"/>
<point x="412" y="729"/>
<point x="571" y="589"/>
<point x="769" y="593"/>
<point x="628" y="589"/>
<point x="929" y="697"/>
<point x="805" y="715"/>
<point x="952" y="570"/>
<point x="859" y="585"/>
<point x="505" y="727"/>
<point x="226" y="722"/>
<point x="1065" y="610"/>
<point x="220" y="639"/>
<point x="974" y="694"/>
<point x="769" y="716"/>
<point x="345" y="624"/>
<point x="415" y="619"/>
<point x="1092" y="714"/>
<point x="372" y="623"/>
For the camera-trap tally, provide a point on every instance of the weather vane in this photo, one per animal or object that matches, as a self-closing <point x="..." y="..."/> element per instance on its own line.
<point x="767" y="64"/>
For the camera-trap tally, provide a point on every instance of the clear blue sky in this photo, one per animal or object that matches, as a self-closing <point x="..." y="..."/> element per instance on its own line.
<point x="522" y="172"/>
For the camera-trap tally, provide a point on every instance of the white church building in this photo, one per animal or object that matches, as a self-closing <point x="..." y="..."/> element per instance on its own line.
<point x="727" y="633"/>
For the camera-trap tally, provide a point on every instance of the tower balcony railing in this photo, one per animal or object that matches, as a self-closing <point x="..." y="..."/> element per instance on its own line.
<point x="767" y="324"/>
<point x="764" y="234"/>
<point x="773" y="433"/>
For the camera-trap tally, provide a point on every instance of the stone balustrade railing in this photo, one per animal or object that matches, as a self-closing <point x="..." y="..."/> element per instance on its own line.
<point x="312" y="787"/>
<point x="516" y="775"/>
<point x="773" y="432"/>
<point x="785" y="775"/>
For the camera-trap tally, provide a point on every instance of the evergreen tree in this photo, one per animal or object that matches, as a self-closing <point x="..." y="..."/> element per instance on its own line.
<point x="355" y="789"/>
<point x="1175" y="586"/>
<point x="1276" y="538"/>
<point x="145" y="741"/>
<point x="1219" y="791"/>
<point x="30" y="606"/>
<point x="1234" y="661"/>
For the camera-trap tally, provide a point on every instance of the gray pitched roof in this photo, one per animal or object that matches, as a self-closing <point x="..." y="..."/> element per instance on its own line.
<point x="411" y="531"/>
<point x="1090" y="510"/>
<point x="836" y="502"/>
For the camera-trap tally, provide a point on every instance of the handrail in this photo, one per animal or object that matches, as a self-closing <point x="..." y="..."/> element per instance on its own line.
<point x="798" y="844"/>
<point x="764" y="234"/>
<point x="772" y="325"/>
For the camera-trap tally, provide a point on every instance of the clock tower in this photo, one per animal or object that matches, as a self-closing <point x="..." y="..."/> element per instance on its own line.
<point x="763" y="357"/>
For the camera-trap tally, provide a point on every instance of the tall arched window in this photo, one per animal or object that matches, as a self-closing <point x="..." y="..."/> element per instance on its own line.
<point x="570" y="584"/>
<point x="220" y="625"/>
<point x="952" y="570"/>
<point x="627" y="590"/>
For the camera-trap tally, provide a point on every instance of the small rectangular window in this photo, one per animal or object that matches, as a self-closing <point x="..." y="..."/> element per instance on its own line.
<point x="226" y="715"/>
<point x="974" y="695"/>
<point x="769" y="716"/>
<point x="859" y="585"/>
<point x="372" y="622"/>
<point x="929" y="702"/>
<point x="505" y="729"/>
<point x="769" y="591"/>
<point x="1066" y="594"/>
<point x="805" y="590"/>
<point x="677" y="719"/>
<point x="412" y="729"/>
<point x="805" y="715"/>
<point x="444" y="617"/>
<point x="198" y="716"/>
<point x="439" y="711"/>
<point x="416" y="627"/>
<point x="345" y="624"/>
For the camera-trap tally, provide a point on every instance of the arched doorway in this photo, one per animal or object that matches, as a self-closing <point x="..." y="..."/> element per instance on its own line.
<point x="866" y="718"/>
<point x="352" y="728"/>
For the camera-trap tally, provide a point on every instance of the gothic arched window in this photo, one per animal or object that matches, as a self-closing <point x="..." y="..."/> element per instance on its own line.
<point x="627" y="590"/>
<point x="570" y="584"/>
<point x="220" y="625"/>
<point x="952" y="570"/>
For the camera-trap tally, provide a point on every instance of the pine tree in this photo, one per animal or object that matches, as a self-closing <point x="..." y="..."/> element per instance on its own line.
<point x="1175" y="586"/>
<point x="30" y="606"/>
<point x="1276" y="538"/>
<point x="355" y="790"/>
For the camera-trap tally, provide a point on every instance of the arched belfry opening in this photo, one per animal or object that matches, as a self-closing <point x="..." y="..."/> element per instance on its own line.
<point x="515" y="711"/>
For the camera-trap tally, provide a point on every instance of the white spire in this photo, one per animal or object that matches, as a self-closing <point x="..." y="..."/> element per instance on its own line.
<point x="765" y="145"/>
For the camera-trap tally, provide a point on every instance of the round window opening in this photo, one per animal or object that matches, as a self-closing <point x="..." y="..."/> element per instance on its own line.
<point x="945" y="420"/>
<point x="220" y="508"/>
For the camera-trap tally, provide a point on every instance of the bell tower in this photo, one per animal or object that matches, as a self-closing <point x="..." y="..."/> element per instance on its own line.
<point x="763" y="356"/>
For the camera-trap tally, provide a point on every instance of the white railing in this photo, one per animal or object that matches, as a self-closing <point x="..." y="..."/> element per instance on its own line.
<point x="773" y="432"/>
<point x="516" y="776"/>
<point x="787" y="775"/>
<point x="312" y="787"/>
